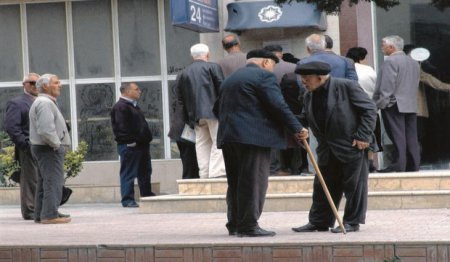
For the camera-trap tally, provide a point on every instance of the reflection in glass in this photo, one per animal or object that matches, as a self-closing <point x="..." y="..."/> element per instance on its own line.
<point x="94" y="103"/>
<point x="93" y="41"/>
<point x="10" y="48"/>
<point x="139" y="38"/>
<point x="46" y="54"/>
<point x="151" y="104"/>
<point x="7" y="93"/>
<point x="178" y="44"/>
<point x="175" y="153"/>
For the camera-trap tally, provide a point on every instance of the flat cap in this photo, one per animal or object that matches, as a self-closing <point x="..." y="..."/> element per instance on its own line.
<point x="313" y="68"/>
<point x="261" y="53"/>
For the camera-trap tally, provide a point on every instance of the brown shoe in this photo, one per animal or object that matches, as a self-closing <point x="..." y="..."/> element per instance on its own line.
<point x="57" y="220"/>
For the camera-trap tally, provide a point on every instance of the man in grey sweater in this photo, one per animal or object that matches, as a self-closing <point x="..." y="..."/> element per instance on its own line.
<point x="50" y="140"/>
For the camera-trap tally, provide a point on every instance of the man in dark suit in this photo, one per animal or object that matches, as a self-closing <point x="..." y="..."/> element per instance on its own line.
<point x="342" y="117"/>
<point x="133" y="137"/>
<point x="197" y="91"/>
<point x="252" y="114"/>
<point x="396" y="95"/>
<point x="17" y="125"/>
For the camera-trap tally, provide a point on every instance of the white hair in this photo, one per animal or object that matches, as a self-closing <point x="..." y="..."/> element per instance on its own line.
<point x="315" y="42"/>
<point x="25" y="78"/>
<point x="198" y="50"/>
<point x="43" y="80"/>
<point x="394" y="40"/>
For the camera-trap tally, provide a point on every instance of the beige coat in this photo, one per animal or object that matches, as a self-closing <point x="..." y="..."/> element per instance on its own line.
<point x="429" y="80"/>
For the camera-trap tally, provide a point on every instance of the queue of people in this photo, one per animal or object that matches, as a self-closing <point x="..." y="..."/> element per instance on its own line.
<point x="242" y="118"/>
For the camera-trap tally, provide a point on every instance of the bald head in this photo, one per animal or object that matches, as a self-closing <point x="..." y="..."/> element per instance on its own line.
<point x="231" y="43"/>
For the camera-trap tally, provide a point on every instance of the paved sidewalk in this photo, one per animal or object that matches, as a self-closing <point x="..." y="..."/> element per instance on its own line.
<point x="110" y="224"/>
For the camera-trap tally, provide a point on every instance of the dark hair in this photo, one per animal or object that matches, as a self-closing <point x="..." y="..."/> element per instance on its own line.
<point x="125" y="86"/>
<point x="273" y="48"/>
<point x="408" y="48"/>
<point x="290" y="58"/>
<point x="328" y="42"/>
<point x="229" y="44"/>
<point x="357" y="54"/>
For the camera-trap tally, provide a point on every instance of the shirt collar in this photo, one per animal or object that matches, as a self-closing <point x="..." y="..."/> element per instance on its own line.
<point x="134" y="102"/>
<point x="48" y="96"/>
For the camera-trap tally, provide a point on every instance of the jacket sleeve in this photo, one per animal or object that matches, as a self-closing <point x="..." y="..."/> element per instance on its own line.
<point x="217" y="77"/>
<point x="385" y="87"/>
<point x="350" y="71"/>
<point x="366" y="110"/>
<point x="270" y="94"/>
<point x="13" y="125"/>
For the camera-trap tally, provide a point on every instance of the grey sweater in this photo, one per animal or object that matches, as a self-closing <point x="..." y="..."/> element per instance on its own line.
<point x="47" y="124"/>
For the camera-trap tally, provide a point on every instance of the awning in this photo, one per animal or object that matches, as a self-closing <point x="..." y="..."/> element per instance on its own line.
<point x="266" y="14"/>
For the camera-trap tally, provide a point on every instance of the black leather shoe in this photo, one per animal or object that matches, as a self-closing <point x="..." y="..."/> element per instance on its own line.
<point x="232" y="233"/>
<point x="131" y="204"/>
<point x="309" y="228"/>
<point x="256" y="232"/>
<point x="348" y="228"/>
<point x="386" y="170"/>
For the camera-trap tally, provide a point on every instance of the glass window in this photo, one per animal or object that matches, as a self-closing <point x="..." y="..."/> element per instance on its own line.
<point x="175" y="153"/>
<point x="93" y="41"/>
<point x="151" y="104"/>
<point x="10" y="43"/>
<point x="422" y="25"/>
<point x="94" y="103"/>
<point x="178" y="43"/>
<point x="47" y="38"/>
<point x="139" y="38"/>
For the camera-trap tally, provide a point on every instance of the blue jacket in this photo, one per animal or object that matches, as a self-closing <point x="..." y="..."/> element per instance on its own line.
<point x="251" y="110"/>
<point x="341" y="67"/>
<point x="17" y="120"/>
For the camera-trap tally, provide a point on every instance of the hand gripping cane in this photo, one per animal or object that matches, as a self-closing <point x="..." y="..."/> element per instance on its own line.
<point x="324" y="186"/>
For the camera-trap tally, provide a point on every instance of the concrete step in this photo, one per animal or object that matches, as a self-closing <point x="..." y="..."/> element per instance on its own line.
<point x="294" y="202"/>
<point x="81" y="194"/>
<point x="424" y="180"/>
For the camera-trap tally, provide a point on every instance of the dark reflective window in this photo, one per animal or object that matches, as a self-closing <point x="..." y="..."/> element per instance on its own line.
<point x="10" y="47"/>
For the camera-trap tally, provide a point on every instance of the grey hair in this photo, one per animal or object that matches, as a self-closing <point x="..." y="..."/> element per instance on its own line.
<point x="396" y="41"/>
<point x="315" y="42"/>
<point x="43" y="80"/>
<point x="198" y="50"/>
<point x="25" y="78"/>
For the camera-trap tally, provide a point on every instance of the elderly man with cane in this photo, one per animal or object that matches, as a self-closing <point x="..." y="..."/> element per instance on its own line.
<point x="342" y="117"/>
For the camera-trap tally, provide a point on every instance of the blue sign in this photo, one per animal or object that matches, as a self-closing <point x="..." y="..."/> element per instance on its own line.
<point x="197" y="15"/>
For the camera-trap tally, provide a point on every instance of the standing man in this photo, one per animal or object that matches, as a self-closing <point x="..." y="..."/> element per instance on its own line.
<point x="50" y="141"/>
<point x="342" y="117"/>
<point x="282" y="67"/>
<point x="396" y="96"/>
<point x="235" y="59"/>
<point x="17" y="125"/>
<point x="133" y="137"/>
<point x="252" y="114"/>
<point x="198" y="88"/>
<point x="341" y="67"/>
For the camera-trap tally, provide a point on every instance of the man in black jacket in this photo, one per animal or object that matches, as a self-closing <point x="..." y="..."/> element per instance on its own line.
<point x="252" y="114"/>
<point x="197" y="90"/>
<point x="342" y="117"/>
<point x="133" y="138"/>
<point x="17" y="125"/>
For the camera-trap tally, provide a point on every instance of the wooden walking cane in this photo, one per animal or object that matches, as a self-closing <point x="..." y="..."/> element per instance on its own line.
<point x="324" y="186"/>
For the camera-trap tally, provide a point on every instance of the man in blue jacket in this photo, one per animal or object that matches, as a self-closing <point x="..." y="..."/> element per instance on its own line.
<point x="133" y="137"/>
<point x="252" y="114"/>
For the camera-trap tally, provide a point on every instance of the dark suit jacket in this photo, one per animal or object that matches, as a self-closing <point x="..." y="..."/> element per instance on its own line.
<point x="252" y="110"/>
<point x="129" y="124"/>
<point x="197" y="90"/>
<point x="17" y="120"/>
<point x="341" y="67"/>
<point x="350" y="114"/>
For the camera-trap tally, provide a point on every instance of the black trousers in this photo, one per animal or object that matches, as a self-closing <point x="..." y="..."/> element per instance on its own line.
<point x="401" y="129"/>
<point x="188" y="157"/>
<point x="248" y="169"/>
<point x="349" y="179"/>
<point x="28" y="182"/>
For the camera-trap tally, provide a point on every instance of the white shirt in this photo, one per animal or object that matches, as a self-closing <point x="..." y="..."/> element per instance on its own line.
<point x="367" y="78"/>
